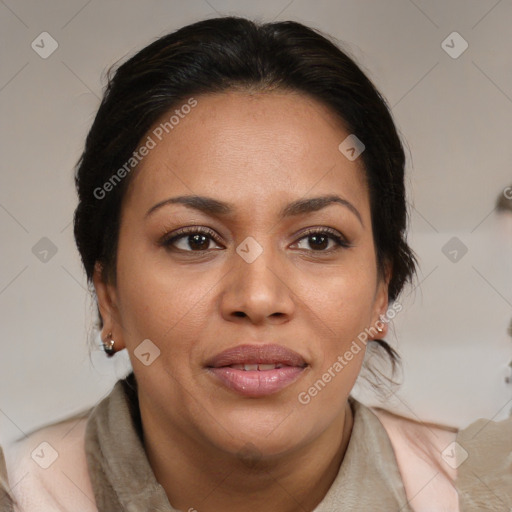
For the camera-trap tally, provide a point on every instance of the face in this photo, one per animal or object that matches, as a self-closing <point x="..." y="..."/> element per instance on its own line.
<point x="250" y="297"/>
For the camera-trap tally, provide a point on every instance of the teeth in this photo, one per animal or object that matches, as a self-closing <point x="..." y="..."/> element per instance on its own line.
<point x="266" y="366"/>
<point x="255" y="367"/>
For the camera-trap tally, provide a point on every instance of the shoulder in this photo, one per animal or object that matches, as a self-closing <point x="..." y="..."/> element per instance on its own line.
<point x="421" y="451"/>
<point x="484" y="462"/>
<point x="6" y="501"/>
<point x="470" y="468"/>
<point x="47" y="470"/>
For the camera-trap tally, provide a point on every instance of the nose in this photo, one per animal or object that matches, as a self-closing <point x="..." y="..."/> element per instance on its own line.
<point x="258" y="291"/>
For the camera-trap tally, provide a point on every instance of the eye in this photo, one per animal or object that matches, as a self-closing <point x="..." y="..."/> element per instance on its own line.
<point x="319" y="240"/>
<point x="192" y="239"/>
<point x="198" y="239"/>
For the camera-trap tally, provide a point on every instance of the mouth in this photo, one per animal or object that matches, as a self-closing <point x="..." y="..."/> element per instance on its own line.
<point x="256" y="370"/>
<point x="262" y="367"/>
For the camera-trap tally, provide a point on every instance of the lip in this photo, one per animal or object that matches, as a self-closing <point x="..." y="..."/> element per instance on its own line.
<point x="256" y="354"/>
<point x="257" y="383"/>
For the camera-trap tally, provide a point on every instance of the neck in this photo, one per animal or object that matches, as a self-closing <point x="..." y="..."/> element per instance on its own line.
<point x="209" y="480"/>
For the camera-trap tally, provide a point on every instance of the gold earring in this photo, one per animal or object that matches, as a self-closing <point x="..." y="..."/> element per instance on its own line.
<point x="108" y="346"/>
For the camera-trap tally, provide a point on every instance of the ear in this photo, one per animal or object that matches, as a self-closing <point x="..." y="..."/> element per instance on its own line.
<point x="108" y="306"/>
<point x="381" y="302"/>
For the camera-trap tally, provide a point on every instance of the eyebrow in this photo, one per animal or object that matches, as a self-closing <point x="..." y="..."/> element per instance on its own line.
<point x="211" y="206"/>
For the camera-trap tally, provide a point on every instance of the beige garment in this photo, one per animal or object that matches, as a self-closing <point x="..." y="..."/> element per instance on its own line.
<point x="391" y="464"/>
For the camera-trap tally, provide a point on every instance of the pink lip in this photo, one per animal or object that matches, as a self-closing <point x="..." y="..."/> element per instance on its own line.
<point x="260" y="382"/>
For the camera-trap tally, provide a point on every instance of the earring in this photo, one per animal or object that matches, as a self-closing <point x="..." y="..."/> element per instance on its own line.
<point x="380" y="329"/>
<point x="108" y="346"/>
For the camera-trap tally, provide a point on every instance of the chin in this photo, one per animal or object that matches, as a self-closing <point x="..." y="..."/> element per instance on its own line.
<point x="264" y="437"/>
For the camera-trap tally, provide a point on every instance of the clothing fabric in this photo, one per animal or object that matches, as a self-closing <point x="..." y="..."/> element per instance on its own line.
<point x="97" y="463"/>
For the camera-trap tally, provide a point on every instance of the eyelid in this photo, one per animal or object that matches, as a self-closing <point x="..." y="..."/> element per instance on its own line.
<point x="339" y="238"/>
<point x="321" y="229"/>
<point x="169" y="237"/>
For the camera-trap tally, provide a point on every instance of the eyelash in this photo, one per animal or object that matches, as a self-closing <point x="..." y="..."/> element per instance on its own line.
<point x="167" y="241"/>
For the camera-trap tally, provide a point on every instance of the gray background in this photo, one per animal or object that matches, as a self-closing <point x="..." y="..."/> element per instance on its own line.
<point x="454" y="114"/>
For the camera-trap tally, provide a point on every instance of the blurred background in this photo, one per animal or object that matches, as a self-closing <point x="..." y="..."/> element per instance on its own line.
<point x="445" y="70"/>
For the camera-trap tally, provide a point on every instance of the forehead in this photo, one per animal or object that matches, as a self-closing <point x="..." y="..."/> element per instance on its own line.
<point x="251" y="147"/>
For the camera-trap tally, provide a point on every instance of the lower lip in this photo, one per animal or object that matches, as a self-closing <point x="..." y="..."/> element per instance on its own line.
<point x="257" y="383"/>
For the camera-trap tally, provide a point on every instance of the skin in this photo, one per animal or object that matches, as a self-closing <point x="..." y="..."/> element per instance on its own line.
<point x="211" y="448"/>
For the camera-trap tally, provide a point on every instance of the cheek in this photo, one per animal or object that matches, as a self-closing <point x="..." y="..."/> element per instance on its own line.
<point x="340" y="308"/>
<point x="160" y="301"/>
<point x="344" y="296"/>
<point x="340" y="316"/>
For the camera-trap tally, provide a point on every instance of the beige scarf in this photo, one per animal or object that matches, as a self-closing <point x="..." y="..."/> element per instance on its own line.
<point x="391" y="464"/>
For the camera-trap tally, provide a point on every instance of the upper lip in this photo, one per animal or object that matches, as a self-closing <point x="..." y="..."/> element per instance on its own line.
<point x="256" y="354"/>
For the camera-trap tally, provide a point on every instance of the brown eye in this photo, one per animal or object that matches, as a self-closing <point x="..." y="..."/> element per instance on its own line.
<point x="318" y="240"/>
<point x="190" y="240"/>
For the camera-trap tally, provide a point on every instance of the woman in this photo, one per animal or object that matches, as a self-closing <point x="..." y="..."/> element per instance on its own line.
<point x="242" y="218"/>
